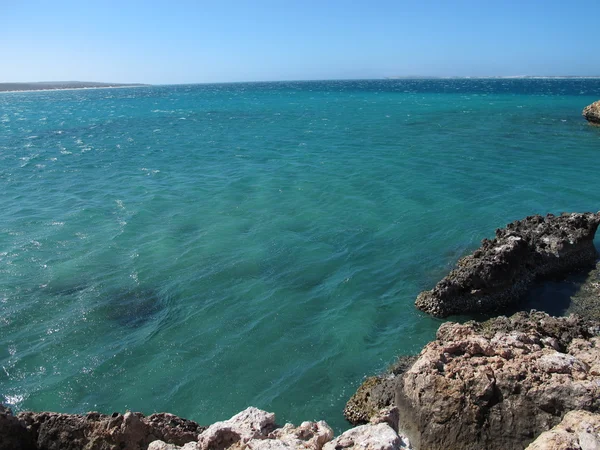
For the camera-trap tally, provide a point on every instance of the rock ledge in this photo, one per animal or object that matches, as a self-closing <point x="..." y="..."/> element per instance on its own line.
<point x="502" y="269"/>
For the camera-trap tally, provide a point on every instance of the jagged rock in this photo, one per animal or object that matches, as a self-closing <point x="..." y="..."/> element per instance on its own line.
<point x="95" y="431"/>
<point x="252" y="423"/>
<point x="498" y="384"/>
<point x="592" y="112"/>
<point x="369" y="437"/>
<point x="13" y="434"/>
<point x="579" y="430"/>
<point x="309" y="435"/>
<point x="502" y="269"/>
<point x="253" y="429"/>
<point x="389" y="415"/>
<point x="375" y="393"/>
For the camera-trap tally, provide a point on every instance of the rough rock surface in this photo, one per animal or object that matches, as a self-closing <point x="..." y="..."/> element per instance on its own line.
<point x="254" y="429"/>
<point x="376" y="393"/>
<point x="502" y="269"/>
<point x="498" y="384"/>
<point x="592" y="112"/>
<point x="369" y="437"/>
<point x="252" y="423"/>
<point x="13" y="434"/>
<point x="93" y="431"/>
<point x="309" y="435"/>
<point x="579" y="430"/>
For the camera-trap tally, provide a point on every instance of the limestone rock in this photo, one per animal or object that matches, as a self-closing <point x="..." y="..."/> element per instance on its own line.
<point x="498" y="384"/>
<point x="252" y="423"/>
<point x="579" y="430"/>
<point x="253" y="429"/>
<point x="502" y="269"/>
<point x="369" y="437"/>
<point x="160" y="445"/>
<point x="94" y="431"/>
<point x="389" y="415"/>
<point x="309" y="435"/>
<point x="592" y="112"/>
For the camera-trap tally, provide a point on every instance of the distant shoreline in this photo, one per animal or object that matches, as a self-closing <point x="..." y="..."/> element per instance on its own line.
<point x="62" y="86"/>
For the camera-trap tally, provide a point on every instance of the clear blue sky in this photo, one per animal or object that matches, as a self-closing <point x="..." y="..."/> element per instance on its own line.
<point x="181" y="41"/>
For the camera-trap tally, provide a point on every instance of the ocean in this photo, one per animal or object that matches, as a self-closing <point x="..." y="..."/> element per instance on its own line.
<point x="199" y="249"/>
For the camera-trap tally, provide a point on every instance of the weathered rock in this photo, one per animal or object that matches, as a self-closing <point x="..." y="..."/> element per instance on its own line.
<point x="592" y="112"/>
<point x="501" y="270"/>
<point x="389" y="415"/>
<point x="96" y="431"/>
<point x="309" y="435"/>
<point x="498" y="384"/>
<point x="253" y="429"/>
<point x="579" y="430"/>
<point x="252" y="423"/>
<point x="160" y="445"/>
<point x="369" y="437"/>
<point x="376" y="393"/>
<point x="13" y="434"/>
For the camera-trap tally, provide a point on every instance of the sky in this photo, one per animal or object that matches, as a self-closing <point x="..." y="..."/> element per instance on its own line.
<point x="185" y="41"/>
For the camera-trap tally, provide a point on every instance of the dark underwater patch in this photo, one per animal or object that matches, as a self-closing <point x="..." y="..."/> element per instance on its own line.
<point x="133" y="307"/>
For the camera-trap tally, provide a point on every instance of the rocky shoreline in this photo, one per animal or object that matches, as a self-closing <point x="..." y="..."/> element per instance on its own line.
<point x="496" y="384"/>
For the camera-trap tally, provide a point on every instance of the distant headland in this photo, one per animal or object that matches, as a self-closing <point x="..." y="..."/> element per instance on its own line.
<point x="53" y="85"/>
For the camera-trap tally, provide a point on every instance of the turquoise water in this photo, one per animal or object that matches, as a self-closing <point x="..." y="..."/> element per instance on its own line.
<point x="199" y="249"/>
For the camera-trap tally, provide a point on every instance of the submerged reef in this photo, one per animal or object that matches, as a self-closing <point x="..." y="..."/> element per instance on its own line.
<point x="499" y="272"/>
<point x="592" y="113"/>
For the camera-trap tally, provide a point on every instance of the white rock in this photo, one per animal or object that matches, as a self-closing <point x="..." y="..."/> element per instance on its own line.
<point x="556" y="362"/>
<point x="368" y="437"/>
<point x="252" y="423"/>
<point x="160" y="445"/>
<point x="309" y="435"/>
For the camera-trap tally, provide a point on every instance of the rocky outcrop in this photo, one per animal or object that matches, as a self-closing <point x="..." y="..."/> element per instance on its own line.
<point x="251" y="429"/>
<point x="13" y="434"/>
<point x="254" y="429"/>
<point x="498" y="384"/>
<point x="592" y="113"/>
<point x="376" y="393"/>
<point x="93" y="431"/>
<point x="579" y="430"/>
<point x="502" y="269"/>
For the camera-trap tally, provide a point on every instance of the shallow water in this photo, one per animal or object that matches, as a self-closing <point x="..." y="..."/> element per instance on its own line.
<point x="199" y="249"/>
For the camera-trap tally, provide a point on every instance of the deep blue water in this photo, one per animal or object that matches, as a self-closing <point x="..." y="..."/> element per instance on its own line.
<point x="200" y="249"/>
